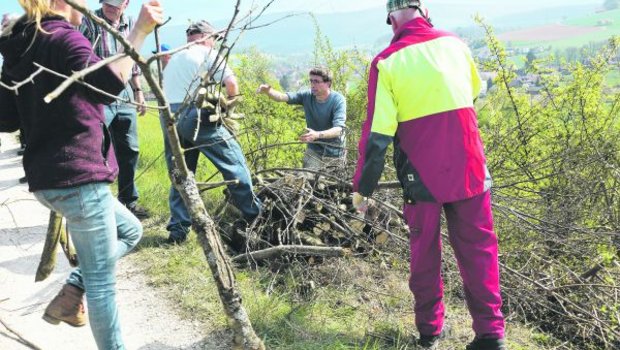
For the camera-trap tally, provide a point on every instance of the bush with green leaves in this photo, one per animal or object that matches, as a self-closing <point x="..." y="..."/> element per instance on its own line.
<point x="555" y="159"/>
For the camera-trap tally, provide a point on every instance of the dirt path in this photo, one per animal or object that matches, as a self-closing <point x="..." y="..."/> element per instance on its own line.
<point x="147" y="319"/>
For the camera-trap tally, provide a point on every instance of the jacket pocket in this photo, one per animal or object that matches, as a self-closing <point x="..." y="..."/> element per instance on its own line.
<point x="414" y="189"/>
<point x="105" y="143"/>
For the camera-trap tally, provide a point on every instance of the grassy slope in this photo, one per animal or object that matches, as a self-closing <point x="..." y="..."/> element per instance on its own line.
<point x="152" y="181"/>
<point x="357" y="303"/>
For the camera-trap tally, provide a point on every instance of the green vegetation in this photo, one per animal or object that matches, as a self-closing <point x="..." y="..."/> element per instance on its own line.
<point x="555" y="161"/>
<point x="518" y="61"/>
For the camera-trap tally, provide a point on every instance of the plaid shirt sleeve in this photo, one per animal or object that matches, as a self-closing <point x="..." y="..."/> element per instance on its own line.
<point x="104" y="44"/>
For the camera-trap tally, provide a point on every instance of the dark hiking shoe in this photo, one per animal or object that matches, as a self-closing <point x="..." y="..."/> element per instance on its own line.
<point x="140" y="212"/>
<point x="178" y="240"/>
<point x="430" y="341"/>
<point x="239" y="235"/>
<point x="486" y="344"/>
<point x="67" y="306"/>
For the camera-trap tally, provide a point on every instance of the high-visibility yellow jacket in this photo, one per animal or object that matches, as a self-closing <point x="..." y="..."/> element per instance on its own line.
<point x="421" y="97"/>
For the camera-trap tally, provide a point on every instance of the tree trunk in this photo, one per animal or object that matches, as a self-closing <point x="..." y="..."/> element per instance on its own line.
<point x="209" y="239"/>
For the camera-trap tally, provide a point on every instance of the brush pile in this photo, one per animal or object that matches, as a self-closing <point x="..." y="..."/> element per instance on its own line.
<point x="311" y="213"/>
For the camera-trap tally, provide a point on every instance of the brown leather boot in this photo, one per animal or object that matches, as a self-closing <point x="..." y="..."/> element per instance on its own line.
<point x="67" y="306"/>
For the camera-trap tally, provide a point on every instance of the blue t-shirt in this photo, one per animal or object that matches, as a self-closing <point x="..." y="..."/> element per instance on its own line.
<point x="321" y="116"/>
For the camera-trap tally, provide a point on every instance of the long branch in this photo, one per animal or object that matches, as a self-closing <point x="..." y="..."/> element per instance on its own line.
<point x="16" y="85"/>
<point x="93" y="88"/>
<point x="20" y="338"/>
<point x="278" y="251"/>
<point x="79" y="75"/>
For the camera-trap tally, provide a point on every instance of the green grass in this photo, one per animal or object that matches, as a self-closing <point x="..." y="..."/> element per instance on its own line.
<point x="152" y="179"/>
<point x="356" y="304"/>
<point x="613" y="78"/>
<point x="594" y="18"/>
<point x="518" y="61"/>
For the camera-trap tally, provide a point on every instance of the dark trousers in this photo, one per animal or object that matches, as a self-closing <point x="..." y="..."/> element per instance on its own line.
<point x="122" y="121"/>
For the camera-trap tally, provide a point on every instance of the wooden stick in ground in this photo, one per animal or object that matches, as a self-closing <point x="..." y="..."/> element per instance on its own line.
<point x="48" y="256"/>
<point x="276" y="252"/>
<point x="67" y="247"/>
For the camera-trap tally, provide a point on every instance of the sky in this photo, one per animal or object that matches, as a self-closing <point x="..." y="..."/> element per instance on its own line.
<point x="183" y="10"/>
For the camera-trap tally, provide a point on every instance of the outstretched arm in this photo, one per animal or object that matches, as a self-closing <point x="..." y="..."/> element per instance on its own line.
<point x="313" y="135"/>
<point x="273" y="94"/>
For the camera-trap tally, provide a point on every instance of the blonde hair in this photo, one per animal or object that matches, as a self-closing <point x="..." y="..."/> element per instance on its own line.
<point x="36" y="10"/>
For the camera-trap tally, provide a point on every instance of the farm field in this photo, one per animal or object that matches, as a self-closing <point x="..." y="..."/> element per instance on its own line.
<point x="577" y="32"/>
<point x="553" y="32"/>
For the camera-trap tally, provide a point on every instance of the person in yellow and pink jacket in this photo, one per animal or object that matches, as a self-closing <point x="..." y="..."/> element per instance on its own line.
<point x="421" y="98"/>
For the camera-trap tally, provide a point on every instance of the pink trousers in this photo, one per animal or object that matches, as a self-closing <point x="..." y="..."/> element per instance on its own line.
<point x="470" y="230"/>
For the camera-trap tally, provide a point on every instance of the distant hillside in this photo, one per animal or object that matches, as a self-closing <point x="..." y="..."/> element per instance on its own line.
<point x="553" y="32"/>
<point x="367" y="29"/>
<point x="296" y="34"/>
<point x="363" y="29"/>
<point x="594" y="27"/>
<point x="542" y="17"/>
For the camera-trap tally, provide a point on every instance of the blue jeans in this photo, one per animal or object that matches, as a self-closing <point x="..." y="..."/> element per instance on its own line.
<point x="102" y="230"/>
<point x="220" y="147"/>
<point x="121" y="119"/>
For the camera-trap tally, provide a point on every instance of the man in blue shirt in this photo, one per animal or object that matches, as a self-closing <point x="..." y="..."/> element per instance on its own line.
<point x="326" y="113"/>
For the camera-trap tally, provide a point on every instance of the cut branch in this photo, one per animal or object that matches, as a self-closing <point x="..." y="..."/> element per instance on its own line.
<point x="276" y="252"/>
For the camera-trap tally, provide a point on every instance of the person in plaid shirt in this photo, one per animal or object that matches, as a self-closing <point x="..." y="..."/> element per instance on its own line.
<point x="120" y="116"/>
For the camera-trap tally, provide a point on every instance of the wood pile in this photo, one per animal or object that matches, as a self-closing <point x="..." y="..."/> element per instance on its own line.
<point x="309" y="213"/>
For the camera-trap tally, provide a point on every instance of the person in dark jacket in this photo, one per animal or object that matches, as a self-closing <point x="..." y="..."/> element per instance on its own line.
<point x="68" y="162"/>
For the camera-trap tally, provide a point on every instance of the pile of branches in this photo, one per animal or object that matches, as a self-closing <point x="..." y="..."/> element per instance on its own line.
<point x="310" y="213"/>
<point x="554" y="280"/>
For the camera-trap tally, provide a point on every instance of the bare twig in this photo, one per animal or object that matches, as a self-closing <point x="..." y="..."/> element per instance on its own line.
<point x="275" y="252"/>
<point x="79" y="75"/>
<point x="20" y="338"/>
